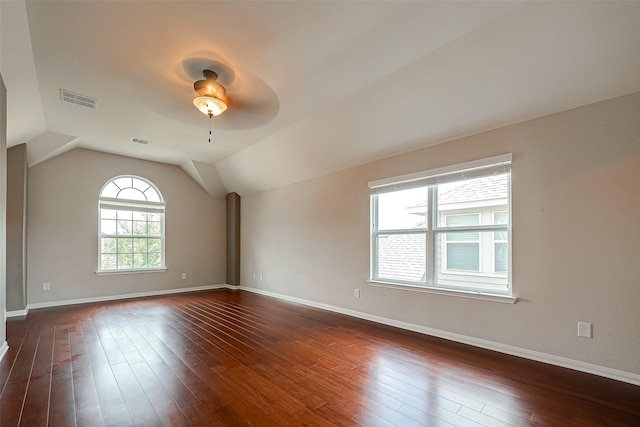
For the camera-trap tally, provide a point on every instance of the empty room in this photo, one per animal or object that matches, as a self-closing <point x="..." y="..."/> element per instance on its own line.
<point x="325" y="213"/>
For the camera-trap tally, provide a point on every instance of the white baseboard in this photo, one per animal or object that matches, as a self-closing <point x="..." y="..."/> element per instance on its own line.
<point x="3" y="349"/>
<point x="17" y="313"/>
<point x="48" y="304"/>
<point x="550" y="359"/>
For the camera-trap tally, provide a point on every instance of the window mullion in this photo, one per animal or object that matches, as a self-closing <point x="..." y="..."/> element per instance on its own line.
<point x="374" y="238"/>
<point x="487" y="227"/>
<point x="431" y="240"/>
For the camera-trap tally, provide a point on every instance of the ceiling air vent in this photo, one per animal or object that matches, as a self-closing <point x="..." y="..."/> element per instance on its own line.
<point x="140" y="141"/>
<point x="76" y="98"/>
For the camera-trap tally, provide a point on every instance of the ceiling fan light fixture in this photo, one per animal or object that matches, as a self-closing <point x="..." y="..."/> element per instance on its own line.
<point x="210" y="105"/>
<point x="211" y="94"/>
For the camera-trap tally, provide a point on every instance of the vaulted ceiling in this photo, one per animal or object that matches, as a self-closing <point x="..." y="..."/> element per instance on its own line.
<point x="314" y="87"/>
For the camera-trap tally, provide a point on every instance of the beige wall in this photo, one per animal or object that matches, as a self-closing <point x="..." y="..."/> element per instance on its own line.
<point x="63" y="236"/>
<point x="576" y="238"/>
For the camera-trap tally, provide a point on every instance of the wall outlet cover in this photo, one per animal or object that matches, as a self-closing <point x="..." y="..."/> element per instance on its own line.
<point x="584" y="329"/>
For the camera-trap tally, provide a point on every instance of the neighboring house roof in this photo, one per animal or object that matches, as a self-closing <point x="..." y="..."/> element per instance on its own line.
<point x="402" y="257"/>
<point x="473" y="190"/>
<point x="486" y="188"/>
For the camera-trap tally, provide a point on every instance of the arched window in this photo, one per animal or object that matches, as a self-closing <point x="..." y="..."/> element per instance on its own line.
<point x="131" y="225"/>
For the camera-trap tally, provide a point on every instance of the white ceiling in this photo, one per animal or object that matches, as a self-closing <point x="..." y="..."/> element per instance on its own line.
<point x="314" y="87"/>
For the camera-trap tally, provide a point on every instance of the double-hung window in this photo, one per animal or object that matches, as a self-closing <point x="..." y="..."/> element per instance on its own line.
<point x="448" y="228"/>
<point x="131" y="226"/>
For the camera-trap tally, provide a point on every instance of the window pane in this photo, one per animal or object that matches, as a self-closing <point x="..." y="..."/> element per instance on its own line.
<point x="140" y="185"/>
<point x="108" y="226"/>
<point x="109" y="245"/>
<point x="110" y="190"/>
<point x="108" y="262"/>
<point x="124" y="182"/>
<point x="125" y="261"/>
<point x="140" y="227"/>
<point x="463" y="236"/>
<point x="152" y="195"/>
<point x="125" y="228"/>
<point x="139" y="216"/>
<point x="402" y="257"/>
<point x="405" y="209"/>
<point x="131" y="194"/>
<point x="155" y="260"/>
<point x="465" y="265"/>
<point x="139" y="260"/>
<point x="125" y="215"/>
<point x="501" y="217"/>
<point x="154" y="245"/>
<point x="140" y="246"/>
<point x="462" y="220"/>
<point x="500" y="235"/>
<point x="501" y="257"/>
<point x="107" y="214"/>
<point x="154" y="228"/>
<point x="125" y="245"/>
<point x="463" y="256"/>
<point x="484" y="194"/>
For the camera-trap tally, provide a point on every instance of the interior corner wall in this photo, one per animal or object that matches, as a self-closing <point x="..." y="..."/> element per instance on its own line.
<point x="62" y="229"/>
<point x="3" y="213"/>
<point x="16" y="227"/>
<point x="576" y="238"/>
<point x="233" y="239"/>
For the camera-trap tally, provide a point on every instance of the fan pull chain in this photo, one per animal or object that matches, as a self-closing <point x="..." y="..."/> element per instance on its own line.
<point x="209" y="129"/>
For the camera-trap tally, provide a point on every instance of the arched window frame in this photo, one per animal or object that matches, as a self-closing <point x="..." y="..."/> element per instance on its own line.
<point x="131" y="226"/>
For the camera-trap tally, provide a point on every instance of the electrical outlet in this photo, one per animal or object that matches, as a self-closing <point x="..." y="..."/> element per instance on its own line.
<point x="584" y="330"/>
<point x="261" y="277"/>
<point x="46" y="286"/>
<point x="356" y="293"/>
<point x="184" y="276"/>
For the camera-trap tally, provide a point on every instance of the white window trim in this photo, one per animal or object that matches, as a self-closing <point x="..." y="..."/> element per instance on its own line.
<point x="508" y="299"/>
<point x="431" y="177"/>
<point x="141" y="206"/>
<point x="445" y="170"/>
<point x="137" y="270"/>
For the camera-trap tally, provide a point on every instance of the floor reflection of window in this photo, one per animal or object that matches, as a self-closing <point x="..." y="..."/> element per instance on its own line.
<point x="408" y="389"/>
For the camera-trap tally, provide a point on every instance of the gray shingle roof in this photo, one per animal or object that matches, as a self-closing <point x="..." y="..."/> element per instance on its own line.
<point x="486" y="188"/>
<point x="402" y="257"/>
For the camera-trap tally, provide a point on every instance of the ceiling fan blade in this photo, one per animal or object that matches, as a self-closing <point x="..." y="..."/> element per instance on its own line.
<point x="193" y="68"/>
<point x="243" y="114"/>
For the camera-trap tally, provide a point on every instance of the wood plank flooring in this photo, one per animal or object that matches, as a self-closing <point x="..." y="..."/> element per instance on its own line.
<point x="225" y="358"/>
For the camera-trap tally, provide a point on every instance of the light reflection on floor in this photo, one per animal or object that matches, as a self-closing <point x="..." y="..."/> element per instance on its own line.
<point x="410" y="389"/>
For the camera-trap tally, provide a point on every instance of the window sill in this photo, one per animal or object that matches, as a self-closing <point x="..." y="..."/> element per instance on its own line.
<point x="145" y="270"/>
<point x="507" y="299"/>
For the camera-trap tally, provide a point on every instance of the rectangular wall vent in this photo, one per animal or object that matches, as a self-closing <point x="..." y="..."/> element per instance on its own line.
<point x="140" y="141"/>
<point x="76" y="98"/>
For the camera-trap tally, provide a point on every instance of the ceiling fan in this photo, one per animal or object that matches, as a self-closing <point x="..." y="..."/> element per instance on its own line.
<point x="246" y="100"/>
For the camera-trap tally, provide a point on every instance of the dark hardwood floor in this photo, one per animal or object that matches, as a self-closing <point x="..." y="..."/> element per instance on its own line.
<point x="236" y="358"/>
